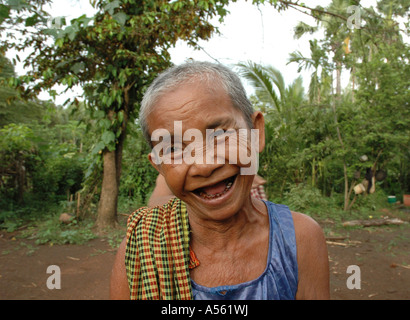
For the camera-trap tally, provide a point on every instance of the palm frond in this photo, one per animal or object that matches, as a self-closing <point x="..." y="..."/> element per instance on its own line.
<point x="302" y="29"/>
<point x="260" y="79"/>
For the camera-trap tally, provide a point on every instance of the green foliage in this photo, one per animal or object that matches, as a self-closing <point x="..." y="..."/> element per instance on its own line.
<point x="18" y="156"/>
<point x="10" y="221"/>
<point x="313" y="142"/>
<point x="267" y="81"/>
<point x="321" y="144"/>
<point x="41" y="158"/>
<point x="370" y="203"/>
<point x="39" y="221"/>
<point x="13" y="109"/>
<point x="308" y="199"/>
<point x="111" y="61"/>
<point x="59" y="175"/>
<point x="52" y="231"/>
<point x="113" y="56"/>
<point x="138" y="174"/>
<point x="16" y="139"/>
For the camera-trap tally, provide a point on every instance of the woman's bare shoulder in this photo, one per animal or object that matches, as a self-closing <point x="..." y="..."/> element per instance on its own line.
<point x="312" y="256"/>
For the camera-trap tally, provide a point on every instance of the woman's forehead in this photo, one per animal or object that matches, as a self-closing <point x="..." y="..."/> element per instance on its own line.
<point x="195" y="106"/>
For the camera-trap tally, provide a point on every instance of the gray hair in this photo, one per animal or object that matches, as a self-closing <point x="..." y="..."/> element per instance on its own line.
<point x="193" y="71"/>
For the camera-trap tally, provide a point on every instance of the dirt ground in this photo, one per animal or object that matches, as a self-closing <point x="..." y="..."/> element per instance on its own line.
<point x="381" y="253"/>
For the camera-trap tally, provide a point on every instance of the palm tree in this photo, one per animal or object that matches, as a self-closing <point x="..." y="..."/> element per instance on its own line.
<point x="270" y="89"/>
<point x="294" y="98"/>
<point x="335" y="33"/>
<point x="281" y="106"/>
<point x="320" y="75"/>
<point x="265" y="79"/>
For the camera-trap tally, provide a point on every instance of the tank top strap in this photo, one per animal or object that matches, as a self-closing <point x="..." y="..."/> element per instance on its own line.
<point x="283" y="255"/>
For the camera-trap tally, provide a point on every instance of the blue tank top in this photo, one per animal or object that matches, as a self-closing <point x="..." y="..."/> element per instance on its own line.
<point x="279" y="281"/>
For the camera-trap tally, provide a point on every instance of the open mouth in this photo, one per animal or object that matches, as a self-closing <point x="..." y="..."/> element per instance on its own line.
<point x="216" y="190"/>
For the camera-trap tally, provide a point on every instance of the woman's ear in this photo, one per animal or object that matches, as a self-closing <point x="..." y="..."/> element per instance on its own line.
<point x="151" y="158"/>
<point x="259" y="123"/>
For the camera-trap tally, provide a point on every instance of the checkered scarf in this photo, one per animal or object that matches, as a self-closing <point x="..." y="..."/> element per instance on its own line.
<point x="157" y="257"/>
<point x="259" y="193"/>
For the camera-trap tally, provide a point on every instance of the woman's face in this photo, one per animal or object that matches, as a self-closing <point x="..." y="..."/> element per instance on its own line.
<point x="199" y="121"/>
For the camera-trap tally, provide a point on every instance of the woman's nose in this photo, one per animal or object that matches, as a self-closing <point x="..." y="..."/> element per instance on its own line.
<point x="204" y="161"/>
<point x="203" y="170"/>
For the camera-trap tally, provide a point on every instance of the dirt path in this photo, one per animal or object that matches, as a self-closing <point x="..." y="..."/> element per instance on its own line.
<point x="85" y="269"/>
<point x="382" y="254"/>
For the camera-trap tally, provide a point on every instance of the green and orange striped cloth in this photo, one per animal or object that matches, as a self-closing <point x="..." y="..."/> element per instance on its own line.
<point x="158" y="256"/>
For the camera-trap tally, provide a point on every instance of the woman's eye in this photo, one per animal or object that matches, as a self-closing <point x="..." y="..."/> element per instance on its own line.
<point x="171" y="149"/>
<point x="218" y="136"/>
<point x="219" y="133"/>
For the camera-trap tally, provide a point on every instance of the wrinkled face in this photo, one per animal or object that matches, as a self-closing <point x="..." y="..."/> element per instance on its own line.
<point x="205" y="155"/>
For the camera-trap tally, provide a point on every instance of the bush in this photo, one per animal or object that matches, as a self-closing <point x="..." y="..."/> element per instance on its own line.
<point x="58" y="176"/>
<point x="371" y="202"/>
<point x="309" y="200"/>
<point x="52" y="231"/>
<point x="306" y="199"/>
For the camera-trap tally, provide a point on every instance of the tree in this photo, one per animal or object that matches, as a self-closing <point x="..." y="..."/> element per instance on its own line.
<point x="113" y="56"/>
<point x="13" y="109"/>
<point x="271" y="91"/>
<point x="373" y="53"/>
<point x="17" y="149"/>
<point x="281" y="106"/>
<point x="320" y="80"/>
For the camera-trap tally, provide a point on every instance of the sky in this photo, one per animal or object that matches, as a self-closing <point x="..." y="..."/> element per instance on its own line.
<point x="261" y="35"/>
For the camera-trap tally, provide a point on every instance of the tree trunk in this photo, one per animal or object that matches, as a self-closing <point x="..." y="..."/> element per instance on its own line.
<point x="346" y="192"/>
<point x="107" y="207"/>
<point x="21" y="178"/>
<point x="353" y="82"/>
<point x="338" y="79"/>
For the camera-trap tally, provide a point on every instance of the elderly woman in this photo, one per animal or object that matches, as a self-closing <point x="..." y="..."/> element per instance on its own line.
<point x="213" y="240"/>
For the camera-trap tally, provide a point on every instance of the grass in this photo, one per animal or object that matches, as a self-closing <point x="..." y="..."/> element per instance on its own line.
<point x="40" y="222"/>
<point x="52" y="231"/>
<point x="310" y="201"/>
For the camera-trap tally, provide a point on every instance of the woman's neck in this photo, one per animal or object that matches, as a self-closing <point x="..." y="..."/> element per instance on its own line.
<point x="219" y="235"/>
